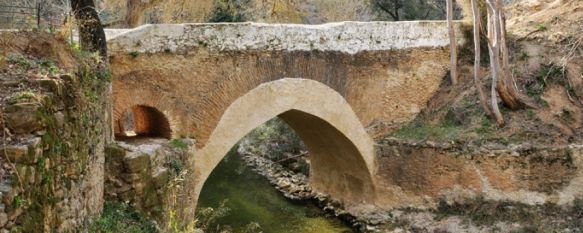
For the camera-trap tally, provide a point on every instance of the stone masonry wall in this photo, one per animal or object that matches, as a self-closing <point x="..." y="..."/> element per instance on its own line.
<point x="147" y="173"/>
<point x="52" y="150"/>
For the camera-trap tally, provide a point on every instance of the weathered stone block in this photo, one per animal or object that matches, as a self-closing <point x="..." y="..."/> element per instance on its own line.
<point x="59" y="119"/>
<point x="51" y="85"/>
<point x="161" y="177"/>
<point x="26" y="153"/>
<point x="113" y="151"/>
<point x="23" y="118"/>
<point x="15" y="153"/>
<point x="137" y="162"/>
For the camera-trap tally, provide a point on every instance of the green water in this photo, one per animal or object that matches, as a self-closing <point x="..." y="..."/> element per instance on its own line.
<point x="251" y="198"/>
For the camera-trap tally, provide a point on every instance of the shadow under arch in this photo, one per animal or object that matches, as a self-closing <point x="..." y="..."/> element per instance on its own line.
<point x="143" y="121"/>
<point x="341" y="151"/>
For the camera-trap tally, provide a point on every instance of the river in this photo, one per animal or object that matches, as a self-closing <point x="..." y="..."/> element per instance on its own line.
<point x="251" y="198"/>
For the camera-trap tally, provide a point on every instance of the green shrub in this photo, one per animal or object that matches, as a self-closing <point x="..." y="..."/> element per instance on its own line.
<point x="176" y="166"/>
<point x="20" y="60"/>
<point x="226" y="11"/>
<point x="121" y="217"/>
<point x="50" y="65"/>
<point x="134" y="54"/>
<point x="207" y="217"/>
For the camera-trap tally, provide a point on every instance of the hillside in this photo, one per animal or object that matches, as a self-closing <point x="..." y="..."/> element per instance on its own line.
<point x="120" y="13"/>
<point x="546" y="39"/>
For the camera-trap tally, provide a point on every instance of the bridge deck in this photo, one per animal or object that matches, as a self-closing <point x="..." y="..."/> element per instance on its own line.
<point x="347" y="37"/>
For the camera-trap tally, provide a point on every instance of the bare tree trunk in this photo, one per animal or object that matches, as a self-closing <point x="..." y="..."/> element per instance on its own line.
<point x="494" y="51"/>
<point x="515" y="99"/>
<point x="477" y="79"/>
<point x="502" y="86"/>
<point x="91" y="34"/>
<point x="452" y="43"/>
<point x="506" y="86"/>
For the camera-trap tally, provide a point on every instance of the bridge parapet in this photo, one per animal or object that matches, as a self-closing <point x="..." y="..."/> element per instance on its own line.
<point x="346" y="37"/>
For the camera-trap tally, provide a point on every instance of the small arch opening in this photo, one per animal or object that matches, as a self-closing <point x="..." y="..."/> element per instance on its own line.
<point x="143" y="121"/>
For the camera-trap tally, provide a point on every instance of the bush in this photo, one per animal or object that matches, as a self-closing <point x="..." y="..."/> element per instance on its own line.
<point x="226" y="11"/>
<point x="275" y="139"/>
<point x="121" y="217"/>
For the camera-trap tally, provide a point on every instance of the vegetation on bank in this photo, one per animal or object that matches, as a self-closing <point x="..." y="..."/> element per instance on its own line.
<point x="540" y="218"/>
<point x="121" y="217"/>
<point x="546" y="69"/>
<point x="480" y="215"/>
<point x="278" y="142"/>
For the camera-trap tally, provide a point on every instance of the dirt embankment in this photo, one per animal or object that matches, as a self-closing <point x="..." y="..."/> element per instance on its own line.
<point x="546" y="49"/>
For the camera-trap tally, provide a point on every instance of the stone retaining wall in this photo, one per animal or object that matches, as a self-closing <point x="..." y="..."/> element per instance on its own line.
<point x="55" y="140"/>
<point x="422" y="174"/>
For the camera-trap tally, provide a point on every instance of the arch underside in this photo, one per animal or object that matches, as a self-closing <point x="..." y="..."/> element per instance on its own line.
<point x="145" y="121"/>
<point x="341" y="152"/>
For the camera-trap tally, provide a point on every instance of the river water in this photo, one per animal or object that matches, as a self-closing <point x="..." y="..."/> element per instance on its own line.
<point x="251" y="198"/>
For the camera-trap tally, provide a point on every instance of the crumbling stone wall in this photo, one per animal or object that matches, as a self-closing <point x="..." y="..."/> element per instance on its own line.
<point x="148" y="173"/>
<point x="54" y="136"/>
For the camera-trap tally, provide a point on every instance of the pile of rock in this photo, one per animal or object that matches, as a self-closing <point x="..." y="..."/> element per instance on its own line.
<point x="293" y="186"/>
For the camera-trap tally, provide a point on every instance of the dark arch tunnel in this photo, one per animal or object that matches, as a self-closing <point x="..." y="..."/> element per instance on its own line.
<point x="143" y="121"/>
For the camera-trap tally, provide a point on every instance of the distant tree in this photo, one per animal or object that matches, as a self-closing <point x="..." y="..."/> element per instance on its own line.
<point x="227" y="11"/>
<point x="91" y="33"/>
<point x="399" y="10"/>
<point x="452" y="43"/>
<point x="391" y="7"/>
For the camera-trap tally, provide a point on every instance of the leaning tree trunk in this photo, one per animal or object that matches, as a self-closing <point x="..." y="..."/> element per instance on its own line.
<point x="452" y="43"/>
<point x="92" y="39"/>
<point x="506" y="93"/>
<point x="91" y="34"/>
<point x="494" y="51"/>
<point x="506" y="85"/>
<point x="517" y="99"/>
<point x="477" y="17"/>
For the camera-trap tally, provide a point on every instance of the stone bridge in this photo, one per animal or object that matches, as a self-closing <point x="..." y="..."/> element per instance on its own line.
<point x="337" y="85"/>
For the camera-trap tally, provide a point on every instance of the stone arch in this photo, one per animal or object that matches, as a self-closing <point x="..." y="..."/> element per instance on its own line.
<point x="146" y="121"/>
<point x="131" y="91"/>
<point x="342" y="153"/>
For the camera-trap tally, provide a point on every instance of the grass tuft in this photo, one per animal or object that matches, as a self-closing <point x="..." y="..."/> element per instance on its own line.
<point x="178" y="143"/>
<point x="422" y="131"/>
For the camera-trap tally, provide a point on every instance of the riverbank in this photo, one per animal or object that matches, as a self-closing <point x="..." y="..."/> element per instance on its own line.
<point x="295" y="186"/>
<point x="237" y="199"/>
<point x="472" y="215"/>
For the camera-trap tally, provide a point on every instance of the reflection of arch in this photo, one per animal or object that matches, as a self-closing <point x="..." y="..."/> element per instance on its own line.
<point x="341" y="152"/>
<point x="144" y="121"/>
